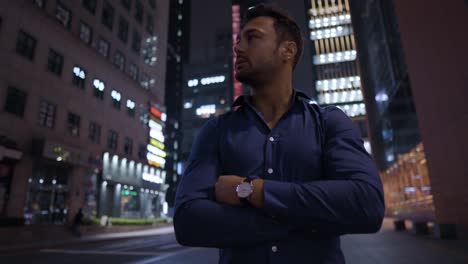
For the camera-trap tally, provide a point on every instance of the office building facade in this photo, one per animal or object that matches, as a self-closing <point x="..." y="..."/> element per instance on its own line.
<point x="82" y="77"/>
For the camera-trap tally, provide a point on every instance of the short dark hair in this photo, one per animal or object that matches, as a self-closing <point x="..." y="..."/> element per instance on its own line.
<point x="285" y="26"/>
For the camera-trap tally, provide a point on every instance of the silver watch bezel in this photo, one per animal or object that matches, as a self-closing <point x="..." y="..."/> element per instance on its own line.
<point x="246" y="185"/>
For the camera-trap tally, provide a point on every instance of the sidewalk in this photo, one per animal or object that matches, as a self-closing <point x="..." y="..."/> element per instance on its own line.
<point x="32" y="237"/>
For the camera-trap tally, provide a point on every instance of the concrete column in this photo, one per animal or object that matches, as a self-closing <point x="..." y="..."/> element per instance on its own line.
<point x="76" y="194"/>
<point x="19" y="187"/>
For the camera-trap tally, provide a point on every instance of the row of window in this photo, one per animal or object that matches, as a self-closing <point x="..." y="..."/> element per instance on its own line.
<point x="86" y="34"/>
<point x="25" y="46"/>
<point x="118" y="59"/>
<point x="64" y="15"/>
<point x="108" y="11"/>
<point x="15" y="103"/>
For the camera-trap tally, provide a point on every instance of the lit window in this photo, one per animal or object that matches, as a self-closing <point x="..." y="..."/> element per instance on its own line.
<point x="116" y="98"/>
<point x="188" y="105"/>
<point x="206" y="110"/>
<point x="130" y="107"/>
<point x="192" y="83"/>
<point x="212" y="80"/>
<point x="99" y="87"/>
<point x="79" y="77"/>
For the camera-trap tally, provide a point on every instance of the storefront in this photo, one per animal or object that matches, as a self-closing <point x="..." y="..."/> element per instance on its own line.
<point x="56" y="182"/>
<point x="125" y="190"/>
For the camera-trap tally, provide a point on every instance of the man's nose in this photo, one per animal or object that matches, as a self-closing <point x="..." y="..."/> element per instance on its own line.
<point x="238" y="48"/>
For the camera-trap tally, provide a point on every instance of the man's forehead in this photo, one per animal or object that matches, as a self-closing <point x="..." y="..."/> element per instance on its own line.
<point x="261" y="23"/>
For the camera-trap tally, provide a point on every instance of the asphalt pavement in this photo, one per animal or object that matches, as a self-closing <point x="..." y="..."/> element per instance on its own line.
<point x="385" y="247"/>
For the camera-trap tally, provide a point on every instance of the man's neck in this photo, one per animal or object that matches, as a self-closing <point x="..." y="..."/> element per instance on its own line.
<point x="272" y="99"/>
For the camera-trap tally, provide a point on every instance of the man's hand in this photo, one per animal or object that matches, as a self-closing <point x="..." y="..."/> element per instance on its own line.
<point x="225" y="189"/>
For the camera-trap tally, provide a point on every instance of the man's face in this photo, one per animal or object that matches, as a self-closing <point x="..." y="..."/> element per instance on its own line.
<point x="257" y="50"/>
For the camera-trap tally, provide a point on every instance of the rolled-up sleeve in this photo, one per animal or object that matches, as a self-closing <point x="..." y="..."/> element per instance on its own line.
<point x="201" y="221"/>
<point x="349" y="199"/>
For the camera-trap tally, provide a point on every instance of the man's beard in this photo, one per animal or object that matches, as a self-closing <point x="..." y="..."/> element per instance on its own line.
<point x="250" y="78"/>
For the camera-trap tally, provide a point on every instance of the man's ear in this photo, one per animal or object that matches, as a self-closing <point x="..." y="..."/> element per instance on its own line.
<point x="288" y="50"/>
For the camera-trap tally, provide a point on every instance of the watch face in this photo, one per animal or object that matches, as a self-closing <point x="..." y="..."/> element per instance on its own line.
<point x="244" y="190"/>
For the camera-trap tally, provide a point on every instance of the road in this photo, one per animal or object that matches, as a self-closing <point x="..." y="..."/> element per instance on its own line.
<point x="387" y="246"/>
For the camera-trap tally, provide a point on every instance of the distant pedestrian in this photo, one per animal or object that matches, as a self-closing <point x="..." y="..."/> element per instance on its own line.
<point x="77" y="223"/>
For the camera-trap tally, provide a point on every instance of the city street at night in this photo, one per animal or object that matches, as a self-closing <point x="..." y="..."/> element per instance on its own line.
<point x="385" y="247"/>
<point x="234" y="131"/>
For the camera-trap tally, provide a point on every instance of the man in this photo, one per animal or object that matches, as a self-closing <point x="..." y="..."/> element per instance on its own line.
<point x="279" y="179"/>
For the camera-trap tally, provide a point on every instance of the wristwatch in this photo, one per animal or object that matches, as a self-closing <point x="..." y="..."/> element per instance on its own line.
<point x="244" y="190"/>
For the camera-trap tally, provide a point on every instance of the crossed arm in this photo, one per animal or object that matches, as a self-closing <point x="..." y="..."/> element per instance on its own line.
<point x="350" y="200"/>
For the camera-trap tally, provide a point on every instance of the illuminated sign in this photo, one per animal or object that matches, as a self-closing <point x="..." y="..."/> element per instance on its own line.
<point x="152" y="178"/>
<point x="155" y="125"/>
<point x="158" y="135"/>
<point x="156" y="143"/>
<point x="129" y="193"/>
<point x="155" y="149"/>
<point x="155" y="159"/>
<point x="206" y="110"/>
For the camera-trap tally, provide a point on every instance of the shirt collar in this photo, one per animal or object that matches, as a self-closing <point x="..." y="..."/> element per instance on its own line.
<point x="244" y="99"/>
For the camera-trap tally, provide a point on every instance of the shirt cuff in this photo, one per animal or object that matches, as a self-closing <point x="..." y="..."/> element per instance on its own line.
<point x="277" y="198"/>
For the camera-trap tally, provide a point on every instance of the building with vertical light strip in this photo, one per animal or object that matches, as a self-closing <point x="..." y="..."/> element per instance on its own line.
<point x="236" y="23"/>
<point x="335" y="59"/>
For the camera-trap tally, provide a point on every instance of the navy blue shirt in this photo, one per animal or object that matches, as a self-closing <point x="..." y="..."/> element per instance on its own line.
<point x="320" y="183"/>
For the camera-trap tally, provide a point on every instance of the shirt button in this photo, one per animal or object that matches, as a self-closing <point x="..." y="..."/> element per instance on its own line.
<point x="270" y="170"/>
<point x="272" y="139"/>
<point x="274" y="248"/>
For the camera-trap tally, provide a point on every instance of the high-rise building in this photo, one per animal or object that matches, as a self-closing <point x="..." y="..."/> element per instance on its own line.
<point x="77" y="101"/>
<point x="393" y="124"/>
<point x="335" y="59"/>
<point x="207" y="93"/>
<point x="178" y="51"/>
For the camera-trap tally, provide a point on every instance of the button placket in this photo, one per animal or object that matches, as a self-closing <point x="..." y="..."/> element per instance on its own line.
<point x="269" y="155"/>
